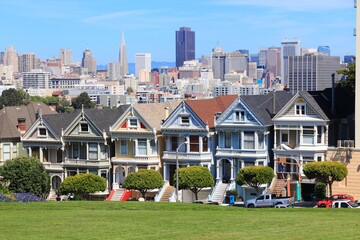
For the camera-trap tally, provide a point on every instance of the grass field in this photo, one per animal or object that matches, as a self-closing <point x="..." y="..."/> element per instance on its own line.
<point x="148" y="220"/>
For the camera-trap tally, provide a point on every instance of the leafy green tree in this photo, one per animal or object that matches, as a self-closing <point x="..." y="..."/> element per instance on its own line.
<point x="13" y="97"/>
<point x="82" y="100"/>
<point x="320" y="190"/>
<point x="83" y="185"/>
<point x="349" y="82"/>
<point x="64" y="106"/>
<point x="143" y="181"/>
<point x="26" y="174"/>
<point x="326" y="172"/>
<point x="195" y="178"/>
<point x="255" y="176"/>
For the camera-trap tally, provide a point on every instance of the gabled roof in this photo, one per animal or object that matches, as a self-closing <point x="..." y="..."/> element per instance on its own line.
<point x="9" y="118"/>
<point x="206" y="108"/>
<point x="155" y="113"/>
<point x="102" y="118"/>
<point x="262" y="105"/>
<point x="308" y="99"/>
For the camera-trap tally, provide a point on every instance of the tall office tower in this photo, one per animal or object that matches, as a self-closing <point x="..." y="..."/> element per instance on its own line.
<point x="142" y="62"/>
<point x="88" y="61"/>
<point x="244" y="51"/>
<point x="206" y="61"/>
<point x="254" y="58"/>
<point x="185" y="45"/>
<point x="124" y="68"/>
<point x="311" y="72"/>
<point x="28" y="62"/>
<point x="349" y="59"/>
<point x="11" y="58"/>
<point x="65" y="56"/>
<point x="252" y="70"/>
<point x="289" y="47"/>
<point x="36" y="79"/>
<point x="262" y="57"/>
<point x="218" y="63"/>
<point x="273" y="60"/>
<point x="236" y="62"/>
<point x="113" y="70"/>
<point x="324" y="49"/>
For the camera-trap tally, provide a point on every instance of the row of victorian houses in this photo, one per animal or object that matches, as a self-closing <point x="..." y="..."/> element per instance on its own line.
<point x="224" y="134"/>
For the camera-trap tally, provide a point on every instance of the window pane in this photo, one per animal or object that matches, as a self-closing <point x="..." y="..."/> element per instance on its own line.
<point x="227" y="140"/>
<point x="142" y="149"/>
<point x="205" y="144"/>
<point x="93" y="151"/>
<point x="123" y="147"/>
<point x="249" y="142"/>
<point x="6" y="151"/>
<point x="194" y="143"/>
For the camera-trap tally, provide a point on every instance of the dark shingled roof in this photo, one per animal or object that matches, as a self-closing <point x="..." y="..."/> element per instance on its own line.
<point x="262" y="105"/>
<point x="9" y="118"/>
<point x="102" y="118"/>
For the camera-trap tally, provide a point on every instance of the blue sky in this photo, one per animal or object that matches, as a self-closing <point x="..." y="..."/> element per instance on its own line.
<point x="45" y="26"/>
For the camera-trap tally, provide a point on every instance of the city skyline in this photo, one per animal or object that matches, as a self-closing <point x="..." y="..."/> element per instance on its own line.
<point x="44" y="27"/>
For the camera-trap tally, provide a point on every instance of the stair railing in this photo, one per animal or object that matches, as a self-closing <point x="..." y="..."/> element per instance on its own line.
<point x="161" y="191"/>
<point x="210" y="197"/>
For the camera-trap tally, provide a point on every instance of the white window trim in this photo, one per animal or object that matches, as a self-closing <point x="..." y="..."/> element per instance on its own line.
<point x="288" y="138"/>
<point x="38" y="132"/>
<point x="126" y="148"/>
<point x="133" y="126"/>
<point x="300" y="105"/>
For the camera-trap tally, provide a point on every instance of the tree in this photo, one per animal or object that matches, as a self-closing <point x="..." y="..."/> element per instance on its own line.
<point x="326" y="172"/>
<point x="82" y="184"/>
<point x="64" y="106"/>
<point x="255" y="176"/>
<point x="26" y="174"/>
<point x="349" y="82"/>
<point x="13" y="97"/>
<point x="143" y="181"/>
<point x="194" y="178"/>
<point x="82" y="100"/>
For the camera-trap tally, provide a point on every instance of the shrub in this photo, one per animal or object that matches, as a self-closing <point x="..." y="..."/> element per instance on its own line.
<point x="26" y="174"/>
<point x="82" y="185"/>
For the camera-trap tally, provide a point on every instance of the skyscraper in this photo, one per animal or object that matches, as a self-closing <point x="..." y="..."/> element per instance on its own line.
<point x="185" y="45"/>
<point x="65" y="56"/>
<point x="289" y="47"/>
<point x="142" y="62"/>
<point x="324" y="49"/>
<point x="11" y="58"/>
<point x="89" y="62"/>
<point x="262" y="57"/>
<point x="28" y="62"/>
<point x="218" y="63"/>
<point x="124" y="68"/>
<point x="273" y="60"/>
<point x="311" y="72"/>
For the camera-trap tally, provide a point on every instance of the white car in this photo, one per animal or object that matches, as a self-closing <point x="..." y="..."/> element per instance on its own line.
<point x="345" y="204"/>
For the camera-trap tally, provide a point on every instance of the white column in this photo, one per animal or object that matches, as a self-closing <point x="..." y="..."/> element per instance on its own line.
<point x="147" y="147"/>
<point x="41" y="154"/>
<point x="218" y="170"/>
<point x="136" y="147"/>
<point x="200" y="144"/>
<point x="165" y="171"/>
<point x="99" y="151"/>
<point x="232" y="170"/>
<point x="30" y="151"/>
<point x="187" y="146"/>
<point x="87" y="151"/>
<point x="275" y="138"/>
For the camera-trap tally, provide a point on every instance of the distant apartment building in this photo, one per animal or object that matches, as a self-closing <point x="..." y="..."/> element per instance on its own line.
<point x="142" y="62"/>
<point x="28" y="62"/>
<point x="6" y="73"/>
<point x="311" y="72"/>
<point x="36" y="79"/>
<point x="252" y="70"/>
<point x="64" y="83"/>
<point x="89" y="62"/>
<point x="273" y="60"/>
<point x="218" y="62"/>
<point x="289" y="47"/>
<point x="10" y="58"/>
<point x="190" y="69"/>
<point x="113" y="71"/>
<point x="65" y="56"/>
<point x="237" y="62"/>
<point x="185" y="45"/>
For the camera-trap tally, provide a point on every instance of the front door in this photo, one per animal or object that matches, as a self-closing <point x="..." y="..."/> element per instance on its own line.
<point x="226" y="170"/>
<point x="172" y="171"/>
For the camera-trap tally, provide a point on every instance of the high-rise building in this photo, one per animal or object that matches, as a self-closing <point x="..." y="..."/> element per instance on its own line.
<point x="244" y="51"/>
<point x="273" y="60"/>
<point x="11" y="58"/>
<point x="142" y="62"/>
<point x="124" y="68"/>
<point x="262" y="57"/>
<point x="289" y="47"/>
<point x="89" y="62"/>
<point x="185" y="45"/>
<point x="311" y="72"/>
<point x="236" y="62"/>
<point x="36" y="79"/>
<point x="113" y="71"/>
<point x="324" y="49"/>
<point x="254" y="58"/>
<point x="65" y="56"/>
<point x="218" y="63"/>
<point x="349" y="59"/>
<point x="28" y="62"/>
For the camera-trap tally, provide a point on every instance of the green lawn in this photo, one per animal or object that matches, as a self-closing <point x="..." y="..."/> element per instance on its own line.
<point x="148" y="220"/>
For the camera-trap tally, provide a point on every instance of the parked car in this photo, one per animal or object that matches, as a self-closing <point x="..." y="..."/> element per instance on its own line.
<point x="328" y="201"/>
<point x="267" y="200"/>
<point x="345" y="204"/>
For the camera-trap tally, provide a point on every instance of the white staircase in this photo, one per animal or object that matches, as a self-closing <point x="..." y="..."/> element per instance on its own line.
<point x="219" y="192"/>
<point x="117" y="194"/>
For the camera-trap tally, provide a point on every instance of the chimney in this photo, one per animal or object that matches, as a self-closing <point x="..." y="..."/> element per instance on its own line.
<point x="21" y="125"/>
<point x="166" y="112"/>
